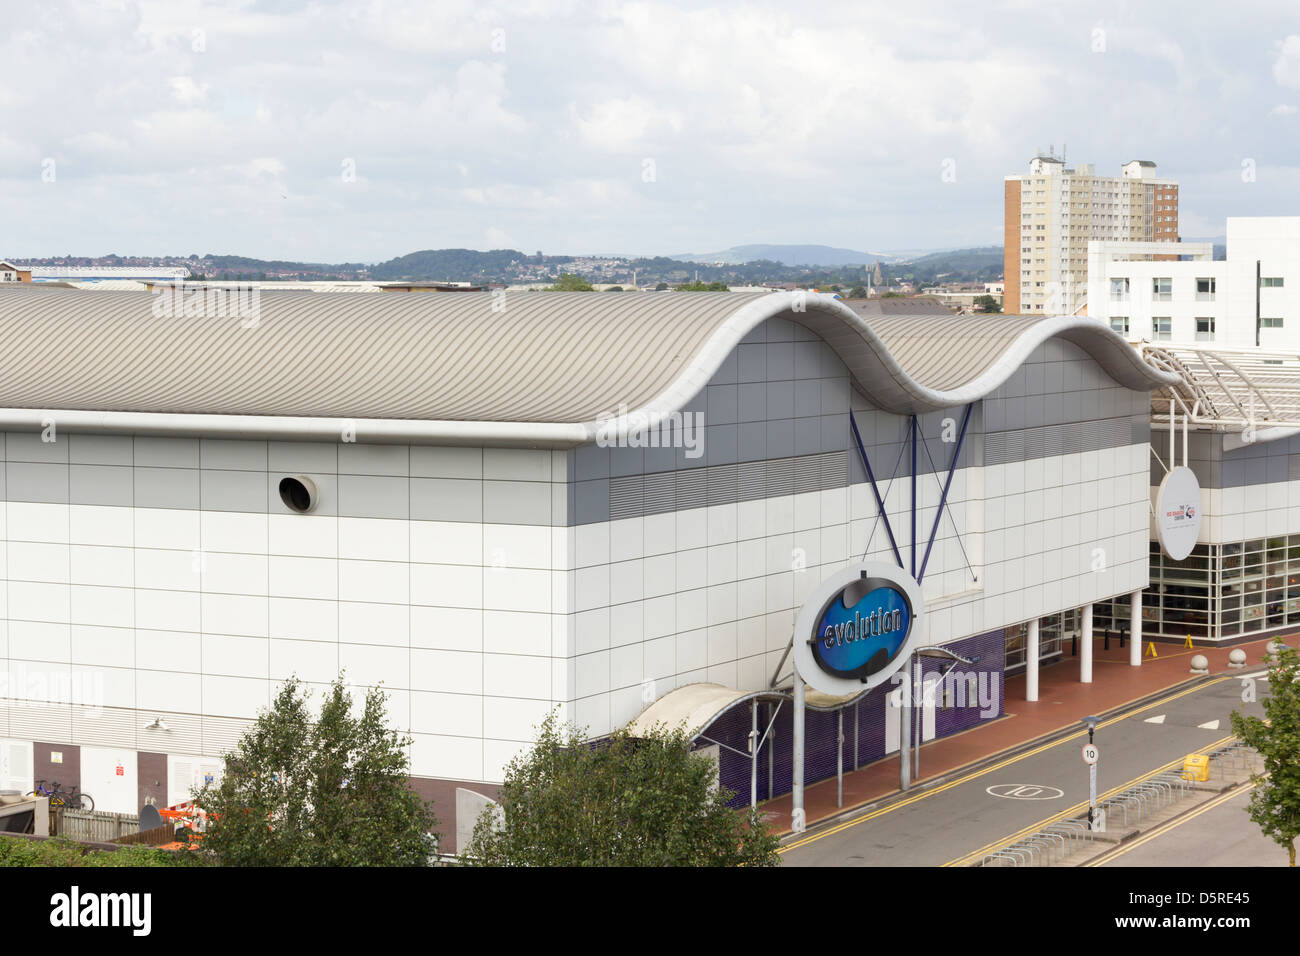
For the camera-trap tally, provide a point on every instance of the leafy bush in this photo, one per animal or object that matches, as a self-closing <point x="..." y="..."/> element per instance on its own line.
<point x="624" y="801"/>
<point x="15" y="851"/>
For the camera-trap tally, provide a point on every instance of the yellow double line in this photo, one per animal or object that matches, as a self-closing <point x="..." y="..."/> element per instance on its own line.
<point x="975" y="775"/>
<point x="971" y="858"/>
<point x="1168" y="825"/>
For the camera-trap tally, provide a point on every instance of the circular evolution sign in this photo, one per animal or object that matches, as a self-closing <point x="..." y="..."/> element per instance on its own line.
<point x="857" y="628"/>
<point x="1178" y="512"/>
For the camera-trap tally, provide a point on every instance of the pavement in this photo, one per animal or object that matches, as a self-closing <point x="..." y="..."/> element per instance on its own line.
<point x="977" y="786"/>
<point x="1217" y="833"/>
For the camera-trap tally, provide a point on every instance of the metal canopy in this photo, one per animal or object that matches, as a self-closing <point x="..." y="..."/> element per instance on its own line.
<point x="695" y="707"/>
<point x="1227" y="390"/>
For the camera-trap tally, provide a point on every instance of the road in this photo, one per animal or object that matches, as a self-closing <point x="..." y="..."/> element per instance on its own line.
<point x="960" y="817"/>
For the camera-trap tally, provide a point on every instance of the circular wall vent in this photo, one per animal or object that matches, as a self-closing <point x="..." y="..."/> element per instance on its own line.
<point x="298" y="494"/>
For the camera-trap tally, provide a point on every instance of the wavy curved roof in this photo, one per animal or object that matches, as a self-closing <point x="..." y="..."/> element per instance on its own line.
<point x="545" y="369"/>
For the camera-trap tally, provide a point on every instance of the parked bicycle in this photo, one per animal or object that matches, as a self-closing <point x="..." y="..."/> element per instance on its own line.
<point x="63" y="797"/>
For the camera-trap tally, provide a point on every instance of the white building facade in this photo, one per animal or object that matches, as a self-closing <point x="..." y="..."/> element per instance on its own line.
<point x="1249" y="299"/>
<point x="475" y="544"/>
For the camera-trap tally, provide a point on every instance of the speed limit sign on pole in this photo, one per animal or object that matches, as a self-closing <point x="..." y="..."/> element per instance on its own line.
<point x="1090" y="754"/>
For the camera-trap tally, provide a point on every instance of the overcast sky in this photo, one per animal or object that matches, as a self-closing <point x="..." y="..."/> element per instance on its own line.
<point x="178" y="126"/>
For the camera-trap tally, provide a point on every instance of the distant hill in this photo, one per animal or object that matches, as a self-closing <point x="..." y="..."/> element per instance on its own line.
<point x="961" y="259"/>
<point x="806" y="265"/>
<point x="789" y="256"/>
<point x="983" y="264"/>
<point x="245" y="264"/>
<point x="449" y="264"/>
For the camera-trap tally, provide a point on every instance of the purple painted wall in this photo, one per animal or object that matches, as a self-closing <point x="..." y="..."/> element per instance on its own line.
<point x="733" y="727"/>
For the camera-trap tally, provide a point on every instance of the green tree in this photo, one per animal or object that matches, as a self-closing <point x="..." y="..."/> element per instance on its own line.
<point x="857" y="292"/>
<point x="1275" y="801"/>
<point x="661" y="287"/>
<point x="624" y="801"/>
<point x="702" y="287"/>
<point x="328" y="792"/>
<point x="568" y="282"/>
<point x="986" y="303"/>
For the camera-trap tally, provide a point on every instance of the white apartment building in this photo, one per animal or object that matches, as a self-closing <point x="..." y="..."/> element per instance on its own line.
<point x="1249" y="299"/>
<point x="1054" y="212"/>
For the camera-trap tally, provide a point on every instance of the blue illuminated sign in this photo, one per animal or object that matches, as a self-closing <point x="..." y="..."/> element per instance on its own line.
<point x="862" y="628"/>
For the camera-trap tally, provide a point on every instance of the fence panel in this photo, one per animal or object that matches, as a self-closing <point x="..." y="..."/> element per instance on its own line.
<point x="95" y="826"/>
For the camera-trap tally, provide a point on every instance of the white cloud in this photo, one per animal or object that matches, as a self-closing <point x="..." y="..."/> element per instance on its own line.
<point x="828" y="123"/>
<point x="1286" y="64"/>
<point x="188" y="93"/>
<point x="623" y="123"/>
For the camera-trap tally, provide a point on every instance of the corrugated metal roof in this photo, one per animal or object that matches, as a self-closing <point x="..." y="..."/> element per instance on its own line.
<point x="899" y="305"/>
<point x="522" y="359"/>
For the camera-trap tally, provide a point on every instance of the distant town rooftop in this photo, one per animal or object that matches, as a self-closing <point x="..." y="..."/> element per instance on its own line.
<point x="89" y="273"/>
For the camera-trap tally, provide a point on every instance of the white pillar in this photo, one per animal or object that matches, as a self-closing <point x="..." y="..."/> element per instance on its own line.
<point x="1085" y="645"/>
<point x="905" y="728"/>
<point x="797" y="818"/>
<point x="1135" y="628"/>
<point x="1031" y="660"/>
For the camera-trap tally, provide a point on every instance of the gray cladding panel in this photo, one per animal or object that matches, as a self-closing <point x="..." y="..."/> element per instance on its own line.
<point x="636" y="495"/>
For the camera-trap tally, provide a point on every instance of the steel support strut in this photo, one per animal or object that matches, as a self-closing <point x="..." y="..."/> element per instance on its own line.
<point x="943" y="498"/>
<point x="875" y="489"/>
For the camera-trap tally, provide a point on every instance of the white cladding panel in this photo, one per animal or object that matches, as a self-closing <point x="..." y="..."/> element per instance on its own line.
<point x="164" y="578"/>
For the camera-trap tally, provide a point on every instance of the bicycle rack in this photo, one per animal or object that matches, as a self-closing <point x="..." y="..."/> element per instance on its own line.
<point x="1076" y="831"/>
<point x="1140" y="800"/>
<point x="1037" y="848"/>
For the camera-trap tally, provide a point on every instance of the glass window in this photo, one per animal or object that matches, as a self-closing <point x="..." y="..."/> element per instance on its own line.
<point x="1205" y="328"/>
<point x="1162" y="328"/>
<point x="1119" y="288"/>
<point x="1270" y="282"/>
<point x="1015" y="654"/>
<point x="1270" y="323"/>
<point x="1119" y="323"/>
<point x="1162" y="289"/>
<point x="1205" y="289"/>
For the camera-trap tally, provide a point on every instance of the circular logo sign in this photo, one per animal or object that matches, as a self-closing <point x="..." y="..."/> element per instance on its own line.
<point x="1090" y="753"/>
<point x="1025" y="791"/>
<point x="1178" y="512"/>
<point x="857" y="628"/>
<point x="862" y="628"/>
